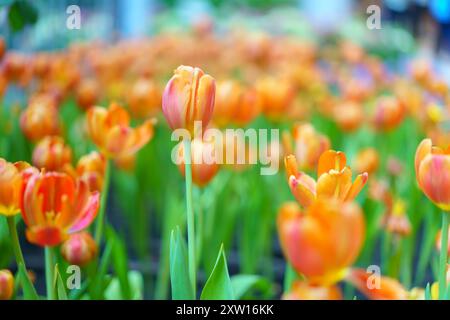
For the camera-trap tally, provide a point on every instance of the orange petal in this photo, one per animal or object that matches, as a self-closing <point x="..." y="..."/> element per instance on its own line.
<point x="357" y="186"/>
<point x="434" y="179"/>
<point x="331" y="159"/>
<point x="422" y="151"/>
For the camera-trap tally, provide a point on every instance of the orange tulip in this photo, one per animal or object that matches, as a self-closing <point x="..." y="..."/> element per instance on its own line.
<point x="12" y="180"/>
<point x="87" y="93"/>
<point x="432" y="166"/>
<point x="302" y="290"/>
<point x="40" y="119"/>
<point x="79" y="249"/>
<point x="334" y="179"/>
<point x="188" y="97"/>
<point x="322" y="242"/>
<point x="382" y="288"/>
<point x="249" y="107"/>
<point x="367" y="160"/>
<point x="388" y="114"/>
<point x="91" y="168"/>
<point x="111" y="132"/>
<point x="54" y="205"/>
<point x="277" y="94"/>
<point x="395" y="220"/>
<point x="349" y="116"/>
<point x="52" y="154"/>
<point x="204" y="169"/>
<point x="6" y="284"/>
<point x="144" y="98"/>
<point x="227" y="102"/>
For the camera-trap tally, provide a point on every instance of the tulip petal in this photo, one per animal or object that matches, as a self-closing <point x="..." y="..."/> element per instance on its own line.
<point x="434" y="179"/>
<point x="358" y="184"/>
<point x="329" y="160"/>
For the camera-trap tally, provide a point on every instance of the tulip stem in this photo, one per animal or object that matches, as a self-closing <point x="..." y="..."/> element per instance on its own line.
<point x="49" y="273"/>
<point x="17" y="250"/>
<point x="443" y="257"/>
<point x="103" y="203"/>
<point x="190" y="216"/>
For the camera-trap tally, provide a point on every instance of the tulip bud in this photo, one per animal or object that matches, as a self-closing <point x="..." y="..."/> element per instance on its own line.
<point x="276" y="94"/>
<point x="52" y="154"/>
<point x="367" y="160"/>
<point x="144" y="99"/>
<point x="79" y="249"/>
<point x="6" y="284"/>
<point x="388" y="114"/>
<point x="91" y="169"/>
<point x="87" y="93"/>
<point x="39" y="119"/>
<point x="188" y="97"/>
<point x="348" y="116"/>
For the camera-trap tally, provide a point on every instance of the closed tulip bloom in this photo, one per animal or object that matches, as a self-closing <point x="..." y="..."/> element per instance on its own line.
<point x="227" y="102"/>
<point x="87" y="94"/>
<point x="334" y="179"/>
<point x="432" y="166"/>
<point x="377" y="287"/>
<point x="12" y="180"/>
<point x="110" y="130"/>
<point x="388" y="114"/>
<point x="144" y="99"/>
<point x="277" y="94"/>
<point x="91" y="168"/>
<point x="250" y="105"/>
<point x="322" y="242"/>
<point x="52" y="154"/>
<point x="204" y="164"/>
<point x="40" y="120"/>
<point x="6" y="284"/>
<point x="349" y="116"/>
<point x="188" y="97"/>
<point x="302" y="290"/>
<point x="79" y="249"/>
<point x="367" y="160"/>
<point x="54" y="205"/>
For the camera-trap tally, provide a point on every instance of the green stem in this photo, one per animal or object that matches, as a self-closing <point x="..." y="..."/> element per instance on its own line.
<point x="443" y="257"/>
<point x="190" y="215"/>
<point x="49" y="272"/>
<point x="103" y="203"/>
<point x="16" y="248"/>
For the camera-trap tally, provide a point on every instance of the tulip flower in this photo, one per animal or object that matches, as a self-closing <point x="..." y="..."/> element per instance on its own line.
<point x="302" y="290"/>
<point x="79" y="249"/>
<point x="87" y="93"/>
<point x="322" y="242"/>
<point x="395" y="220"/>
<point x="39" y="120"/>
<point x="367" y="160"/>
<point x="91" y="169"/>
<point x="432" y="166"/>
<point x="377" y="287"/>
<point x="52" y="154"/>
<point x="204" y="169"/>
<point x="388" y="114"/>
<point x="349" y="116"/>
<point x="227" y="102"/>
<point x="334" y="179"/>
<point x="54" y="205"/>
<point x="144" y="99"/>
<point x="111" y="132"/>
<point x="187" y="98"/>
<point x="277" y="94"/>
<point x="6" y="284"/>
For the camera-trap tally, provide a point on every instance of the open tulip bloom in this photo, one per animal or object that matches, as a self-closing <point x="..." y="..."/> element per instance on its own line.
<point x="279" y="158"/>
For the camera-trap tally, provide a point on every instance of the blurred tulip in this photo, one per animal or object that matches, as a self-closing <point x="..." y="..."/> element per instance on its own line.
<point x="302" y="290"/>
<point x="349" y="116"/>
<point x="250" y="105"/>
<point x="126" y="162"/>
<point x="40" y="119"/>
<point x="395" y="220"/>
<point x="52" y="154"/>
<point x="204" y="164"/>
<point x="432" y="166"/>
<point x="388" y="113"/>
<point x="367" y="160"/>
<point x="6" y="284"/>
<point x="334" y="179"/>
<point x="377" y="287"/>
<point x="144" y="99"/>
<point x="188" y="97"/>
<point x="79" y="249"/>
<point x="322" y="242"/>
<point x="394" y="166"/>
<point x="2" y="48"/>
<point x="110" y="130"/>
<point x="87" y="94"/>
<point x="277" y="94"/>
<point x="91" y="169"/>
<point x="13" y="178"/>
<point x="54" y="205"/>
<point x="227" y="102"/>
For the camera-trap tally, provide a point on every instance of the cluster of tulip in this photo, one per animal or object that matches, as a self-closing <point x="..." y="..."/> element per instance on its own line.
<point x="328" y="97"/>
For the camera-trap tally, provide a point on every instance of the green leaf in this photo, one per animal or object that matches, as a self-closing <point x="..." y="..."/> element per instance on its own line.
<point x="243" y="283"/>
<point x="179" y="268"/>
<point x="136" y="281"/>
<point x="428" y="292"/>
<point x="20" y="14"/>
<point x="29" y="292"/>
<point x="58" y="284"/>
<point x="120" y="262"/>
<point x="218" y="286"/>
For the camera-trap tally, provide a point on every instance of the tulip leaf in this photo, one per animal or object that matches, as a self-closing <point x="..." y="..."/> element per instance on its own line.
<point x="119" y="261"/>
<point x="428" y="292"/>
<point x="218" y="286"/>
<point x="29" y="292"/>
<point x="179" y="268"/>
<point x="136" y="282"/>
<point x="20" y="14"/>
<point x="58" y="285"/>
<point x="243" y="283"/>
